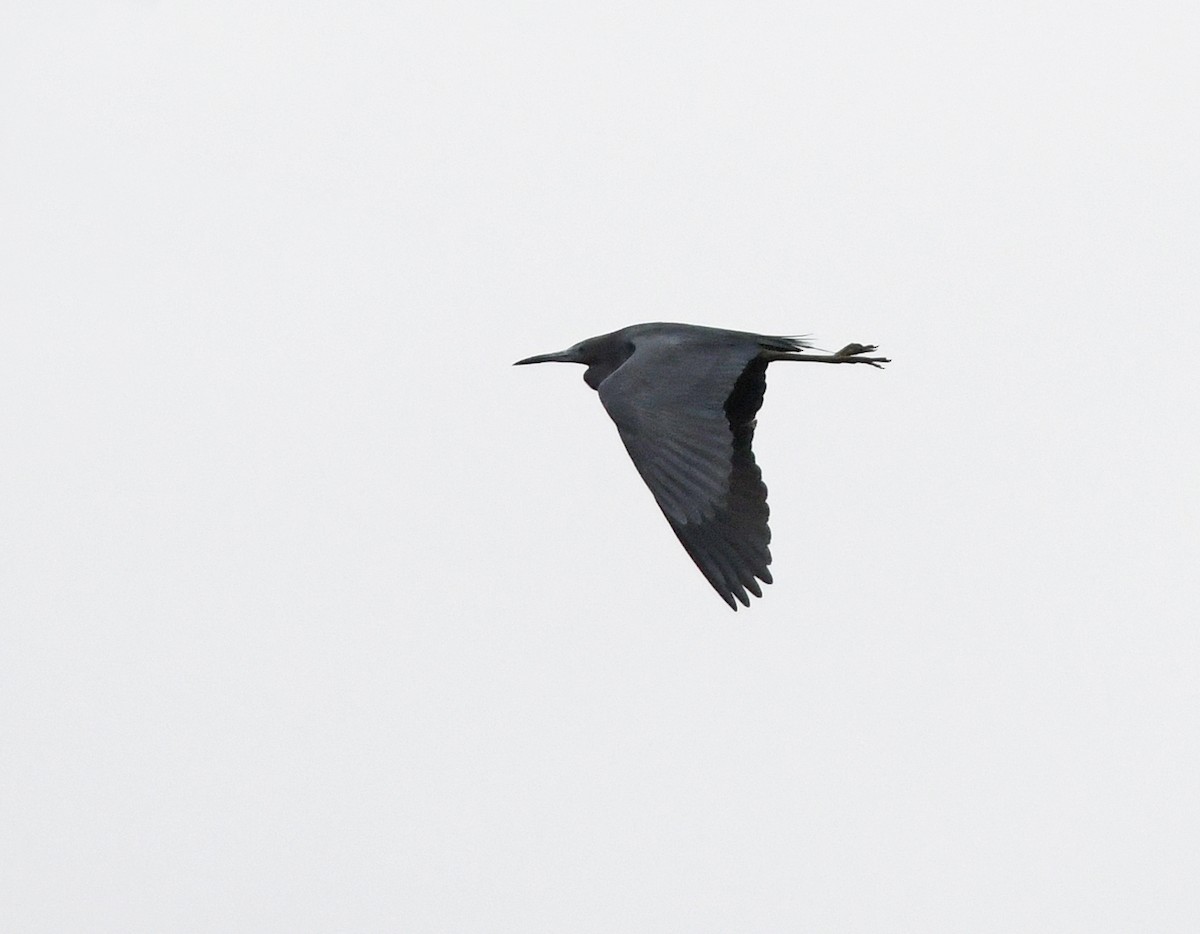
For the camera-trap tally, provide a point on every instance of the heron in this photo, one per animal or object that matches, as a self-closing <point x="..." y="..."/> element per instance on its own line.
<point x="684" y="399"/>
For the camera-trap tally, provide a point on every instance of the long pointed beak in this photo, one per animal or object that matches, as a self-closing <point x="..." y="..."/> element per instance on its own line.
<point x="562" y="356"/>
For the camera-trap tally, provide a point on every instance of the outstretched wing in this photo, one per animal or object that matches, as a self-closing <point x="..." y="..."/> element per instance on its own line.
<point x="687" y="421"/>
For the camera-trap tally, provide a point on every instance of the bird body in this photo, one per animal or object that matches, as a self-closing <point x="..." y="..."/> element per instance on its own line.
<point x="684" y="400"/>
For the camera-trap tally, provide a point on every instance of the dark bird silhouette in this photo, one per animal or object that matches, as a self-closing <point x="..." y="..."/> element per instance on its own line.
<point x="684" y="399"/>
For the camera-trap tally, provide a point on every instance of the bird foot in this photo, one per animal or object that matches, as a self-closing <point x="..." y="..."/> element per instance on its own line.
<point x="853" y="350"/>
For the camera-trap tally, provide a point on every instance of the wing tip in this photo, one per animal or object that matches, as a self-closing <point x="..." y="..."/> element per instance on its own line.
<point x="739" y="590"/>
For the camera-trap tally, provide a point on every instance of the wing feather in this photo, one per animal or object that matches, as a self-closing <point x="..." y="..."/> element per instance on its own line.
<point x="688" y="431"/>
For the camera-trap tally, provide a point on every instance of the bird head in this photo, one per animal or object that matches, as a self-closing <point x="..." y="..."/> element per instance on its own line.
<point x="601" y="355"/>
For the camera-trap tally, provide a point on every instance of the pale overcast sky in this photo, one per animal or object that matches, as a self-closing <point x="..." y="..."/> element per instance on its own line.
<point x="317" y="616"/>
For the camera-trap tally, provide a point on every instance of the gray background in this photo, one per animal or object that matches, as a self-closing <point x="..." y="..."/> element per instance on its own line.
<point x="318" y="616"/>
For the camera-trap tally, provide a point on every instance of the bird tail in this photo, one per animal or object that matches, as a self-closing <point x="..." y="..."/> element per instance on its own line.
<point x="793" y="344"/>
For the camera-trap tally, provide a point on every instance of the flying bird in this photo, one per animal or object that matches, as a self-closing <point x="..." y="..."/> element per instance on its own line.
<point x="684" y="399"/>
